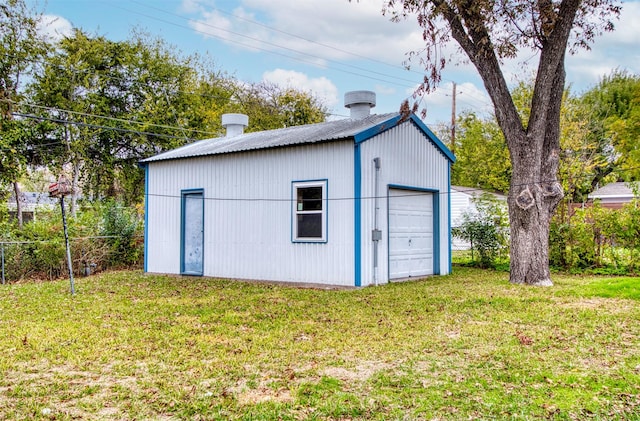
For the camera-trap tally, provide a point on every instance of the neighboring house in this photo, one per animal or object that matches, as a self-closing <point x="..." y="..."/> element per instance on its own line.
<point x="612" y="195"/>
<point x="32" y="203"/>
<point x="354" y="202"/>
<point x="462" y="201"/>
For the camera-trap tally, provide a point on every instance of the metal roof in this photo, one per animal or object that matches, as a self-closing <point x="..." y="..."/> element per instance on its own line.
<point x="613" y="190"/>
<point x="296" y="135"/>
<point x="477" y="192"/>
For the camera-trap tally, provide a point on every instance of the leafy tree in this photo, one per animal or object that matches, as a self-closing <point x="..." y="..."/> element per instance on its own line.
<point x="271" y="107"/>
<point x="482" y="155"/>
<point x="20" y="46"/>
<point x="490" y="32"/>
<point x="612" y="109"/>
<point x="122" y="101"/>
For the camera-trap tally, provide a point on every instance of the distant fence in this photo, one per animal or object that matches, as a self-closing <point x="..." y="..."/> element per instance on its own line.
<point x="46" y="259"/>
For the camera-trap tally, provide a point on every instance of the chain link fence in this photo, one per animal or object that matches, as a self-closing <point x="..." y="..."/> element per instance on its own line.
<point x="46" y="259"/>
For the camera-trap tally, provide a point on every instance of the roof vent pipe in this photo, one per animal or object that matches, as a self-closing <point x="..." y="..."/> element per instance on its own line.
<point x="359" y="103"/>
<point x="235" y="123"/>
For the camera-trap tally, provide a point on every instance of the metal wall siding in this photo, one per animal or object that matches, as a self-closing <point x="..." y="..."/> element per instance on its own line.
<point x="248" y="214"/>
<point x="407" y="159"/>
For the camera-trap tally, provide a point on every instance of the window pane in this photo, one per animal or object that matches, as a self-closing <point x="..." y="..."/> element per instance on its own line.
<point x="310" y="225"/>
<point x="309" y="198"/>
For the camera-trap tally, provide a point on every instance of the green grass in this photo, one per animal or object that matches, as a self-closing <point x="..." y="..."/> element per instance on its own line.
<point x="464" y="346"/>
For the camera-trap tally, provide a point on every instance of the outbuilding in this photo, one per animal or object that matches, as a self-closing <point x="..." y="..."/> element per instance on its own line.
<point x="614" y="195"/>
<point x="353" y="202"/>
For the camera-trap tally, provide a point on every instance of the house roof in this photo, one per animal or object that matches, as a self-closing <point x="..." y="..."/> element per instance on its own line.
<point x="477" y="192"/>
<point x="34" y="198"/>
<point x="358" y="130"/>
<point x="619" y="190"/>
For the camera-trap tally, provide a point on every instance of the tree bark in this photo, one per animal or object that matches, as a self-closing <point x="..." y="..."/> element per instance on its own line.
<point x="535" y="191"/>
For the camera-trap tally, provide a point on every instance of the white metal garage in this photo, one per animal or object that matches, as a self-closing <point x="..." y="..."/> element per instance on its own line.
<point x="411" y="251"/>
<point x="351" y="202"/>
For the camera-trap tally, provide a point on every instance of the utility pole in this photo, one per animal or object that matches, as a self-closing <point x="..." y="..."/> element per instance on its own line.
<point x="453" y="121"/>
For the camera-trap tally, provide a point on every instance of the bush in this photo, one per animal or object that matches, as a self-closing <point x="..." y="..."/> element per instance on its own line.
<point x="486" y="230"/>
<point x="38" y="249"/>
<point x="121" y="226"/>
<point x="596" y="240"/>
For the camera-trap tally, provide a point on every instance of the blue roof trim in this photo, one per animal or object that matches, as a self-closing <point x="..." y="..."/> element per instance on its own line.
<point x="434" y="139"/>
<point x="377" y="129"/>
<point x="393" y="122"/>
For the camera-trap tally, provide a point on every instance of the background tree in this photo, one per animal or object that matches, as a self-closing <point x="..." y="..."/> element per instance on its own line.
<point x="118" y="102"/>
<point x="270" y="106"/>
<point x="482" y="155"/>
<point x="20" y="47"/>
<point x="612" y="109"/>
<point x="489" y="32"/>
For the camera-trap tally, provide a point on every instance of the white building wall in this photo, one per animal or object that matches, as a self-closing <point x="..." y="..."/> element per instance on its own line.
<point x="248" y="214"/>
<point x="460" y="203"/>
<point x="409" y="159"/>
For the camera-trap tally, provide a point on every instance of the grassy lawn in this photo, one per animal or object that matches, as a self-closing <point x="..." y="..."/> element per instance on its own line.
<point x="465" y="346"/>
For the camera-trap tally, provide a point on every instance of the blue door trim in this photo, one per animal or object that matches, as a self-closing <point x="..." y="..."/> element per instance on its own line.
<point x="449" y="212"/>
<point x="183" y="197"/>
<point x="436" y="221"/>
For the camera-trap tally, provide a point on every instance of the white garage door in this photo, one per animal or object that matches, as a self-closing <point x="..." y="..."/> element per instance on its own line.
<point x="410" y="233"/>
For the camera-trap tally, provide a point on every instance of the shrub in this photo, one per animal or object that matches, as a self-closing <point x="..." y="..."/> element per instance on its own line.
<point x="38" y="249"/>
<point x="121" y="226"/>
<point x="485" y="229"/>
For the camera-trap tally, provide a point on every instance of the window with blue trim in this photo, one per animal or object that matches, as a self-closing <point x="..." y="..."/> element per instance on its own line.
<point x="309" y="211"/>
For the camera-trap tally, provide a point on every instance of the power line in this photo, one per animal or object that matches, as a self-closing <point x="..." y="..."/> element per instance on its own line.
<point x="98" y="126"/>
<point x="412" y="86"/>
<point x="271" y="28"/>
<point x="119" y="120"/>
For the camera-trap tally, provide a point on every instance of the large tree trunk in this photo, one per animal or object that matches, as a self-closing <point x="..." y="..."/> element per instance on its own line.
<point x="529" y="234"/>
<point x="535" y="191"/>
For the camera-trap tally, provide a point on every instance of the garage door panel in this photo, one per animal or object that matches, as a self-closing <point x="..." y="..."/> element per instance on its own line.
<point x="410" y="233"/>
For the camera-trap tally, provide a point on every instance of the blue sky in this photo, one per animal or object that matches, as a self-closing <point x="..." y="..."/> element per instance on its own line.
<point x="327" y="47"/>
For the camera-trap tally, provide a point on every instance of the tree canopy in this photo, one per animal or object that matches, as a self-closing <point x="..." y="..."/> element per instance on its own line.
<point x="94" y="107"/>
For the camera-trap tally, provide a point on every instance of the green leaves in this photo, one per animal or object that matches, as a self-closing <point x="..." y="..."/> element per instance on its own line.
<point x="482" y="155"/>
<point x="486" y="229"/>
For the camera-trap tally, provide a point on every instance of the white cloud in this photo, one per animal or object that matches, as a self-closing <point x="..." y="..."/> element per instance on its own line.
<point x="54" y="28"/>
<point x="612" y="50"/>
<point x="355" y="38"/>
<point x="385" y="90"/>
<point x="316" y="30"/>
<point x="321" y="87"/>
